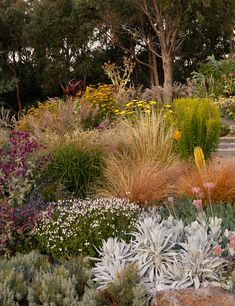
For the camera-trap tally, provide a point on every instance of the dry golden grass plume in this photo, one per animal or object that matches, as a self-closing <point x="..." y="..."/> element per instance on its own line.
<point x="149" y="139"/>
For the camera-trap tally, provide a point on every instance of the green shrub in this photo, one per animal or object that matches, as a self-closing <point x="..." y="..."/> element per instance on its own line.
<point x="32" y="280"/>
<point x="226" y="106"/>
<point x="78" y="226"/>
<point x="78" y="170"/>
<point x="79" y="268"/>
<point x="7" y="296"/>
<point x="53" y="288"/>
<point x="12" y="287"/>
<point x="198" y="120"/>
<point x="27" y="265"/>
<point x="215" y="78"/>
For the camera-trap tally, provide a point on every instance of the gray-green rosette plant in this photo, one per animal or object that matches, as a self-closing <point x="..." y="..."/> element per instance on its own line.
<point x="168" y="254"/>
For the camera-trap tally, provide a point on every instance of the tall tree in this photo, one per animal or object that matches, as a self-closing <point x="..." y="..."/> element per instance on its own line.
<point x="166" y="18"/>
<point x="60" y="34"/>
<point x="13" y="49"/>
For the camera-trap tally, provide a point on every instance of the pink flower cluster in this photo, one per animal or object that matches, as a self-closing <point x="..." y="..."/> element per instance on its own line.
<point x="232" y="242"/>
<point x="198" y="194"/>
<point x="218" y="250"/>
<point x="197" y="203"/>
<point x="209" y="186"/>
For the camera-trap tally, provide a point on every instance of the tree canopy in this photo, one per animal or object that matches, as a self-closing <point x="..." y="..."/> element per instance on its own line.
<point x="44" y="43"/>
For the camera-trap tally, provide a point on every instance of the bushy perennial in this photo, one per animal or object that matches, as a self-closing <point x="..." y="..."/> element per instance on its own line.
<point x="168" y="254"/>
<point x="79" y="226"/>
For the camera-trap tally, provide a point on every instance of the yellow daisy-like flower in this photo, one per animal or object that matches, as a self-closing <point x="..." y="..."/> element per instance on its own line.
<point x="129" y="104"/>
<point x="177" y="135"/>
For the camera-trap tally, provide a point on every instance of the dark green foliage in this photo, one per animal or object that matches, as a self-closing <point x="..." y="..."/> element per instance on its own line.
<point x="76" y="169"/>
<point x="199" y="122"/>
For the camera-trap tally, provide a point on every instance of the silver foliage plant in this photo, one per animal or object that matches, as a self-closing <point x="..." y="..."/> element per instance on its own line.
<point x="168" y="254"/>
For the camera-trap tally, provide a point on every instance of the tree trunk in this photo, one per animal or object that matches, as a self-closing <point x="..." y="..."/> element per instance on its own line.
<point x="153" y="74"/>
<point x="167" y="60"/>
<point x="232" y="46"/>
<point x="14" y="69"/>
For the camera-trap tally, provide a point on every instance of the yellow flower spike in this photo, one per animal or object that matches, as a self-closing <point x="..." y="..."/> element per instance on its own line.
<point x="199" y="158"/>
<point x="177" y="135"/>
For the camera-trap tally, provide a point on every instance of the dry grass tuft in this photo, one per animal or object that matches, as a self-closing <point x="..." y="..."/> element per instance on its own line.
<point x="140" y="169"/>
<point x="149" y="139"/>
<point x="139" y="182"/>
<point x="221" y="172"/>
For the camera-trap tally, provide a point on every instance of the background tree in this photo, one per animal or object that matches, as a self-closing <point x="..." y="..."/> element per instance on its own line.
<point x="14" y="53"/>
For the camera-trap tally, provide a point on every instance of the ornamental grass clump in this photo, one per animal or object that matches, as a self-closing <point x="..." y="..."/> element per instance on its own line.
<point x="141" y="183"/>
<point x="141" y="167"/>
<point x="73" y="227"/>
<point x="78" y="169"/>
<point x="221" y="172"/>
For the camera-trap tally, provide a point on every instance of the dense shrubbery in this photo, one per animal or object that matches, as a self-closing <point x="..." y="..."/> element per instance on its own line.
<point x="215" y="78"/>
<point x="33" y="280"/>
<point x="161" y="255"/>
<point x="131" y="149"/>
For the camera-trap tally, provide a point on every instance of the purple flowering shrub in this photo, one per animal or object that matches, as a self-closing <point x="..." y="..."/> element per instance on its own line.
<point x="17" y="224"/>
<point x="20" y="203"/>
<point x="17" y="167"/>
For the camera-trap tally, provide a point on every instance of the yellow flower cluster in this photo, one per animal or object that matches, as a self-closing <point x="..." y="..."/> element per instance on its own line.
<point x="101" y="95"/>
<point x="177" y="135"/>
<point x="135" y="107"/>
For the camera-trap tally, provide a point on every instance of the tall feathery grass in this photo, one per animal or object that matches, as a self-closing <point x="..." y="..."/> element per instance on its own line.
<point x="220" y="172"/>
<point x="141" y="169"/>
<point x="148" y="139"/>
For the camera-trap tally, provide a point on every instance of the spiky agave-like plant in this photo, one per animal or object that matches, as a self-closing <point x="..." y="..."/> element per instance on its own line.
<point x="199" y="260"/>
<point x="153" y="248"/>
<point x="114" y="255"/>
